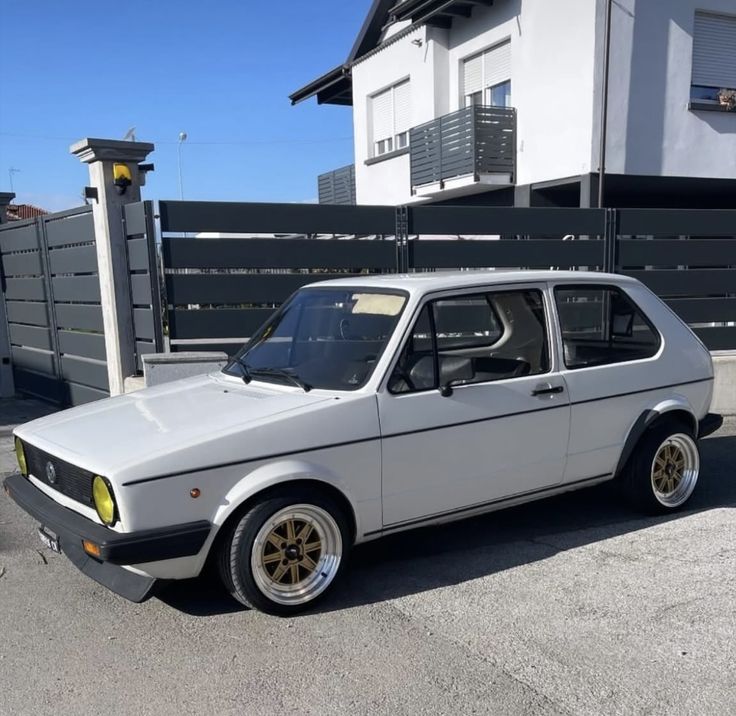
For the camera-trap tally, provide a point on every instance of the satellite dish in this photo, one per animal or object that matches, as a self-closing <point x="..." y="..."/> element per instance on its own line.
<point x="130" y="135"/>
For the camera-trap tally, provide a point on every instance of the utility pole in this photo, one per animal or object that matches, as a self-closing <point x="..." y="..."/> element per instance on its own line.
<point x="604" y="106"/>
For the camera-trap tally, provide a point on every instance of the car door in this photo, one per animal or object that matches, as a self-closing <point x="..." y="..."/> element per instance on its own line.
<point x="474" y="409"/>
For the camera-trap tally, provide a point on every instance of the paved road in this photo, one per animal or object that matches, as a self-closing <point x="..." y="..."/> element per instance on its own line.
<point x="570" y="606"/>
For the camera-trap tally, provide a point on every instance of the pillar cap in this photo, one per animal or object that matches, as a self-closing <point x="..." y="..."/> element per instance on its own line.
<point x="91" y="150"/>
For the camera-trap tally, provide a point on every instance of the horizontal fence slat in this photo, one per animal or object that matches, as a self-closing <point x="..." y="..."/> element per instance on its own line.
<point x="28" y="264"/>
<point x="138" y="254"/>
<point x="27" y="312"/>
<point x="86" y="345"/>
<point x="36" y="360"/>
<point x="694" y="282"/>
<point x="27" y="289"/>
<point x="85" y="371"/>
<point x="218" y="323"/>
<point x="677" y="222"/>
<point x="41" y="385"/>
<point x="73" y="260"/>
<point x="489" y="253"/>
<point x="75" y="394"/>
<point x="721" y="338"/>
<point x="18" y="238"/>
<point x="237" y="289"/>
<point x="279" y="253"/>
<point x="31" y="336"/>
<point x="76" y="229"/>
<point x="668" y="252"/>
<point x="506" y="220"/>
<point x="135" y="218"/>
<point x="140" y="289"/>
<point x="86" y="318"/>
<point x="704" y="310"/>
<point x="231" y="217"/>
<point x="82" y="289"/>
<point x="143" y="323"/>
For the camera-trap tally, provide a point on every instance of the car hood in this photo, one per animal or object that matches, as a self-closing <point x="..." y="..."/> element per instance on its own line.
<point x="116" y="436"/>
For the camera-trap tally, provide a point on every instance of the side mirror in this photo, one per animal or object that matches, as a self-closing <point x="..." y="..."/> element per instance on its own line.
<point x="446" y="390"/>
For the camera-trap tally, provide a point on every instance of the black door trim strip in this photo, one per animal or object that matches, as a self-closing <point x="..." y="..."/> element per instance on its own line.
<point x="275" y="456"/>
<point x="560" y="487"/>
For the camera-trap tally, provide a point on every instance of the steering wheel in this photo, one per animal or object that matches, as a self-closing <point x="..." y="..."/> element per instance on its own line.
<point x="344" y="326"/>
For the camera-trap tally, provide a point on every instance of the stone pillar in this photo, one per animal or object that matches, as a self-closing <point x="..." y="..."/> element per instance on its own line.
<point x="112" y="260"/>
<point x="7" y="388"/>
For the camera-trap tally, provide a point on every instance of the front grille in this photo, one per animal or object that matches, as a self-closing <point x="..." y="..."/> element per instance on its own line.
<point x="70" y="480"/>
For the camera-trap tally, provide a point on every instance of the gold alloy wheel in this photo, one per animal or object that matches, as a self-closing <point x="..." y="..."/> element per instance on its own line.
<point x="296" y="554"/>
<point x="675" y="470"/>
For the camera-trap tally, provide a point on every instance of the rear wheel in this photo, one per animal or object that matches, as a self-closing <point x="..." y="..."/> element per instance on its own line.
<point x="285" y="552"/>
<point x="664" y="469"/>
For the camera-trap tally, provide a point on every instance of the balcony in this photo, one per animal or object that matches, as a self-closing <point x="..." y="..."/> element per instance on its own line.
<point x="464" y="151"/>
<point x="337" y="186"/>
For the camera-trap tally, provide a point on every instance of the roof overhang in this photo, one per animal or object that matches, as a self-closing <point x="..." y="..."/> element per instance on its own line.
<point x="334" y="87"/>
<point x="437" y="13"/>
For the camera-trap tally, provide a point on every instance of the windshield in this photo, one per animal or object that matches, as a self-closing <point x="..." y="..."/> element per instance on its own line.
<point x="327" y="338"/>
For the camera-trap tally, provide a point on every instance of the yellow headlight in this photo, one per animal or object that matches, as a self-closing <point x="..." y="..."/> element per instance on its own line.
<point x="103" y="499"/>
<point x="20" y="453"/>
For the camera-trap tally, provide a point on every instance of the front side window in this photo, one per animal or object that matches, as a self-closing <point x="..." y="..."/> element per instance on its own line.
<point x="391" y="118"/>
<point x="714" y="59"/>
<point x="474" y="339"/>
<point x="602" y="325"/>
<point x="322" y="338"/>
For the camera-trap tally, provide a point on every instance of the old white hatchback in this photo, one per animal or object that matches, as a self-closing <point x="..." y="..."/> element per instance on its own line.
<point x="370" y="405"/>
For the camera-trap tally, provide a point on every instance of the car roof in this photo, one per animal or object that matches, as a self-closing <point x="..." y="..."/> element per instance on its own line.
<point x="422" y="283"/>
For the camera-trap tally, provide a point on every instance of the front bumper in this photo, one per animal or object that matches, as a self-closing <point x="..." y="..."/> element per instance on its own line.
<point x="115" y="548"/>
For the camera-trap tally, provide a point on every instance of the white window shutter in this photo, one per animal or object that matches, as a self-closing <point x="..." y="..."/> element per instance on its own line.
<point x="382" y="106"/>
<point x="402" y="108"/>
<point x="497" y="64"/>
<point x="473" y="75"/>
<point x="714" y="50"/>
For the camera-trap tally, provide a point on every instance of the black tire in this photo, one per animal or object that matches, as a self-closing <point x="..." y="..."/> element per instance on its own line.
<point x="236" y="552"/>
<point x="637" y="478"/>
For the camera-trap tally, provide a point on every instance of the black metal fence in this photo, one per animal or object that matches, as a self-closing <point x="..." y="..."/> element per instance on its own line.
<point x="218" y="290"/>
<point x="474" y="141"/>
<point x="52" y="298"/>
<point x="337" y="186"/>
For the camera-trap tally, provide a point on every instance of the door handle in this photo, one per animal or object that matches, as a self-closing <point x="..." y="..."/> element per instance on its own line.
<point x="547" y="389"/>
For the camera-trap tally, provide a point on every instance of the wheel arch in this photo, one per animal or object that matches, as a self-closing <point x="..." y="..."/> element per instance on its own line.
<point x="676" y="409"/>
<point x="273" y="487"/>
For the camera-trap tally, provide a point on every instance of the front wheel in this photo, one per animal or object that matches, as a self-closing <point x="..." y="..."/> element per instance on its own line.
<point x="664" y="469"/>
<point x="285" y="552"/>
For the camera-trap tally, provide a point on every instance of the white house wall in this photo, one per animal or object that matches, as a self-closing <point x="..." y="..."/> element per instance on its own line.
<point x="651" y="131"/>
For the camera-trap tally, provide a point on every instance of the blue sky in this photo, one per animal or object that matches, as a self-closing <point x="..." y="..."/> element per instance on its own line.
<point x="220" y="70"/>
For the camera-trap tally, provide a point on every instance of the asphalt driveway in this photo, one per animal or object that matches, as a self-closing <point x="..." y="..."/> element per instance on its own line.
<point x="573" y="605"/>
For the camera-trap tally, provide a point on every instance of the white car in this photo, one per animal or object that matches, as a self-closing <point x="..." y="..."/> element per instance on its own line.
<point x="366" y="406"/>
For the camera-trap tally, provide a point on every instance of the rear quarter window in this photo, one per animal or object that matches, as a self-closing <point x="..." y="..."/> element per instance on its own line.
<point x="601" y="325"/>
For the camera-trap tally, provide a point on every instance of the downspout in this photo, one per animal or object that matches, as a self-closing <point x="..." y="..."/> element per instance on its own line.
<point x="604" y="105"/>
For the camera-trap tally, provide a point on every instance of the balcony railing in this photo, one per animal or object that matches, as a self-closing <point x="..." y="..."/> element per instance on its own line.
<point x="474" y="141"/>
<point x="337" y="186"/>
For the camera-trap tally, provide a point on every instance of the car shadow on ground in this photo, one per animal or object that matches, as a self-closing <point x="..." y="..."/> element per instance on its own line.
<point x="433" y="557"/>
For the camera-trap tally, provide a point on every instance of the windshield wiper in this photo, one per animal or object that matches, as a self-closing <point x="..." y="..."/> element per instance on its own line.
<point x="279" y="373"/>
<point x="245" y="371"/>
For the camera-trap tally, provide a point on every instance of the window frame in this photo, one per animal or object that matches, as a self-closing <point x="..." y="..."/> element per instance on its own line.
<point x="699" y="87"/>
<point x="390" y="144"/>
<point x="485" y="90"/>
<point x="602" y="287"/>
<point x="548" y="325"/>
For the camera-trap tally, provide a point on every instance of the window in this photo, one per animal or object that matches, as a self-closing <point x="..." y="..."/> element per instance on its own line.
<point x="391" y="118"/>
<point x="325" y="338"/>
<point x="474" y="339"/>
<point x="602" y="325"/>
<point x="485" y="77"/>
<point x="714" y="57"/>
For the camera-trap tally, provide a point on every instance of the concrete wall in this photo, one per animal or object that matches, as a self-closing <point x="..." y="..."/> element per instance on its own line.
<point x="651" y="130"/>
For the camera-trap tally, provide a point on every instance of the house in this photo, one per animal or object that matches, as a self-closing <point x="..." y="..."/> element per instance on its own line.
<point x="500" y="102"/>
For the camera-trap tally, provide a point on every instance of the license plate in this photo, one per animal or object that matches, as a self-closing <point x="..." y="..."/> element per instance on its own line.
<point x="50" y="540"/>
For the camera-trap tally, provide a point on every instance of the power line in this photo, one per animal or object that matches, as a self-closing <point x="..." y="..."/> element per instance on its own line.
<point x="254" y="142"/>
